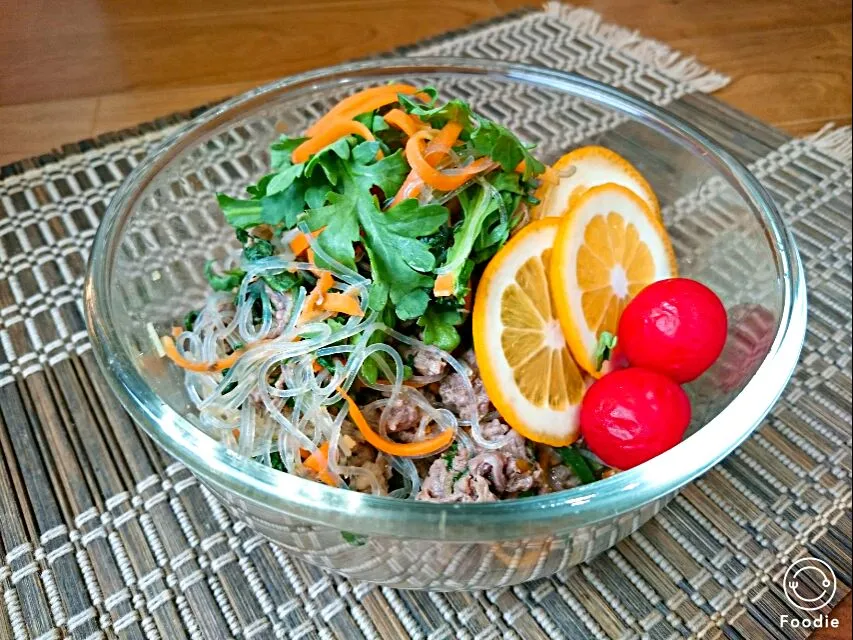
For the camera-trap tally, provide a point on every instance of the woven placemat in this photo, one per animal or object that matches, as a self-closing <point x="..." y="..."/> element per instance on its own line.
<point x="102" y="536"/>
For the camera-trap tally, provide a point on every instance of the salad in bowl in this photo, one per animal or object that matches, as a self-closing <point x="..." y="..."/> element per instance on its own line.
<point x="392" y="335"/>
<point x="421" y="308"/>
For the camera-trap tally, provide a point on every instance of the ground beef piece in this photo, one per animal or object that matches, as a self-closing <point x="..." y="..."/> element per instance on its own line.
<point x="455" y="395"/>
<point x="506" y="474"/>
<point x="450" y="480"/>
<point x="380" y="469"/>
<point x="402" y="415"/>
<point x="428" y="363"/>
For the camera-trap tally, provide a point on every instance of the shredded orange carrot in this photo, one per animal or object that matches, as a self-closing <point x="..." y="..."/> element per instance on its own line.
<point x="435" y="178"/>
<point x="410" y="189"/>
<point x="342" y="303"/>
<point x="445" y="285"/>
<point x="312" y="307"/>
<point x="434" y="153"/>
<point x="356" y="100"/>
<point x="332" y="131"/>
<point x="318" y="462"/>
<point x="403" y="121"/>
<point x="442" y="142"/>
<point x="204" y="367"/>
<point x="300" y="242"/>
<point x="406" y="450"/>
<point x="522" y="465"/>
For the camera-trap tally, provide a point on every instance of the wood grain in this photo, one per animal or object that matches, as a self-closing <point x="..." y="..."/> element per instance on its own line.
<point x="77" y="68"/>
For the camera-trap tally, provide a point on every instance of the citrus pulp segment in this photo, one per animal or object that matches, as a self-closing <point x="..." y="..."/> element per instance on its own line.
<point x="608" y="247"/>
<point x="527" y="369"/>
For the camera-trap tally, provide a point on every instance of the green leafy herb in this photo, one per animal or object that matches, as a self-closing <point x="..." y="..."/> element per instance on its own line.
<point x="355" y="539"/>
<point x="477" y="204"/>
<point x="437" y="117"/>
<point x="604" y="348"/>
<point x="400" y="263"/>
<point x="573" y="459"/>
<point x="257" y="250"/>
<point x="450" y="454"/>
<point x="240" y="214"/>
<point x="527" y="493"/>
<point x="189" y="320"/>
<point x="227" y="281"/>
<point x="284" y="281"/>
<point x="502" y="146"/>
<point x="439" y="323"/>
<point x="276" y="462"/>
<point x="281" y="151"/>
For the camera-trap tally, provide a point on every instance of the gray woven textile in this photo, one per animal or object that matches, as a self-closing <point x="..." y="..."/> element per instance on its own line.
<point x="102" y="536"/>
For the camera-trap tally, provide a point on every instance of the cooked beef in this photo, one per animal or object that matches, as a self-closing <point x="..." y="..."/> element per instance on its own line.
<point x="427" y="363"/>
<point x="402" y="415"/>
<point x="455" y="396"/>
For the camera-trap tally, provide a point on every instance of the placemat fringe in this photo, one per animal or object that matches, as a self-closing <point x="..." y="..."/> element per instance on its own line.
<point x="647" y="51"/>
<point x="835" y="141"/>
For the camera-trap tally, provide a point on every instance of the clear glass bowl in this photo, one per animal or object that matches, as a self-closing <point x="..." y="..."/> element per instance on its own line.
<point x="146" y="267"/>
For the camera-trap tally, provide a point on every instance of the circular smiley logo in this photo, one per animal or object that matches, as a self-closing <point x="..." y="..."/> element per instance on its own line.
<point x="809" y="584"/>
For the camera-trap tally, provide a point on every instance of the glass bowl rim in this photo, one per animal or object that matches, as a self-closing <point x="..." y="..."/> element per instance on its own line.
<point x="366" y="514"/>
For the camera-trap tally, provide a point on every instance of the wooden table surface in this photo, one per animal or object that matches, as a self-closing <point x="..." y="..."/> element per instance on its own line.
<point x="71" y="69"/>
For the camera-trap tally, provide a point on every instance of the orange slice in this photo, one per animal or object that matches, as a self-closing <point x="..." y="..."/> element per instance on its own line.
<point x="589" y="167"/>
<point x="526" y="367"/>
<point x="608" y="247"/>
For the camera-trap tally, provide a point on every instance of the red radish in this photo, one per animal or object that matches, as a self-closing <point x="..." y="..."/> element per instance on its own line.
<point x="676" y="327"/>
<point x="632" y="415"/>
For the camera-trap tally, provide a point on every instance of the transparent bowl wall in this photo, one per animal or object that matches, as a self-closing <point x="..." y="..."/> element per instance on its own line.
<point x="164" y="223"/>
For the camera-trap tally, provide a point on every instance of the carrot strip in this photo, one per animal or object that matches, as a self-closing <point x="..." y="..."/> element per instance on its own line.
<point x="342" y="303"/>
<point x="318" y="462"/>
<point x="202" y="367"/>
<point x="403" y="121"/>
<point x="435" y="152"/>
<point x="435" y="178"/>
<point x="300" y="242"/>
<point x="445" y="285"/>
<point x="410" y="188"/>
<point x="355" y="100"/>
<point x="313" y="302"/>
<point x="442" y="142"/>
<point x="331" y="132"/>
<point x="406" y="450"/>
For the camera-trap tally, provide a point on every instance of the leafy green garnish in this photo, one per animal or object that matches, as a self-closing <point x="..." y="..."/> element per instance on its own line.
<point x="604" y="348"/>
<point x="400" y="263"/>
<point x="527" y="493"/>
<point x="437" y="117"/>
<point x="281" y="151"/>
<point x="502" y="146"/>
<point x="355" y="539"/>
<point x="226" y="281"/>
<point x="439" y="323"/>
<point x="450" y="454"/>
<point x="284" y="281"/>
<point x="276" y="462"/>
<point x="189" y="320"/>
<point x="240" y="214"/>
<point x="257" y="250"/>
<point x="477" y="204"/>
<point x="573" y="459"/>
